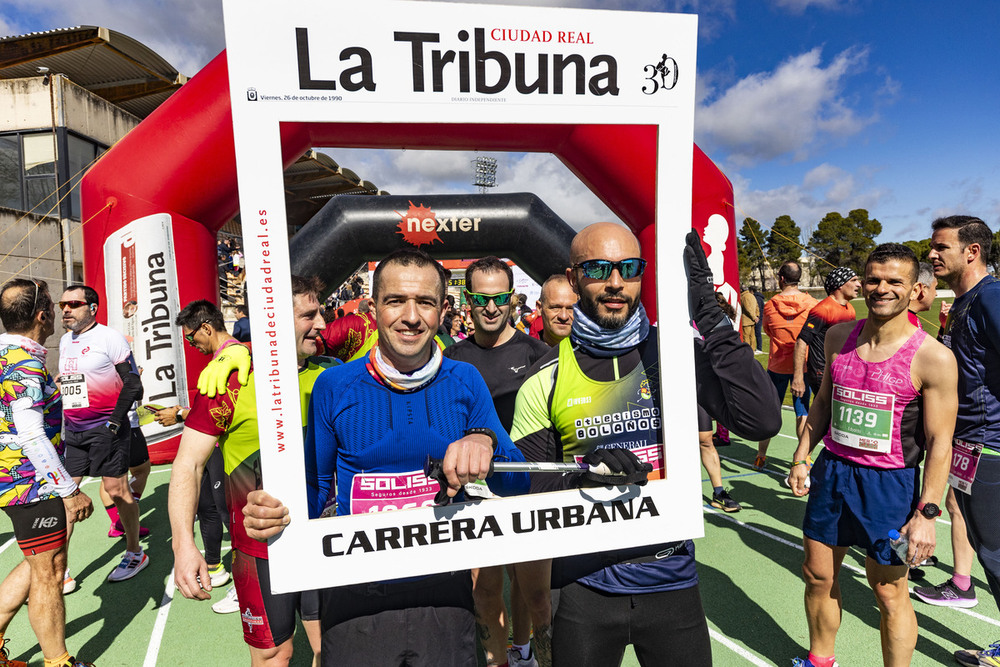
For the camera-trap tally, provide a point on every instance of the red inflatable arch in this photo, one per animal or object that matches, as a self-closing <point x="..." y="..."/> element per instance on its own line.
<point x="180" y="161"/>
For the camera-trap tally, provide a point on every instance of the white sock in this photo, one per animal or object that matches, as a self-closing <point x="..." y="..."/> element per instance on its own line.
<point x="523" y="650"/>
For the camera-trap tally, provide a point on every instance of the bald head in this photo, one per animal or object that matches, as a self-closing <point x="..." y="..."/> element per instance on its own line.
<point x="603" y="240"/>
<point x="608" y="300"/>
<point x="556" y="308"/>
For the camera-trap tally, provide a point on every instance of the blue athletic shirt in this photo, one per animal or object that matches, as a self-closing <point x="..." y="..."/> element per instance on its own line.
<point x="973" y="334"/>
<point x="358" y="427"/>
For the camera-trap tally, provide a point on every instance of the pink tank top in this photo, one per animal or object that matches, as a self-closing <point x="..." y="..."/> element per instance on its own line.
<point x="876" y="415"/>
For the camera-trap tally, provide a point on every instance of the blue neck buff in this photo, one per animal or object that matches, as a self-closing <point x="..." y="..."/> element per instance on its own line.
<point x="600" y="342"/>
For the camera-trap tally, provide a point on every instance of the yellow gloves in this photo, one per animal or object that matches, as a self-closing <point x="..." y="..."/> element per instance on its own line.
<point x="215" y="376"/>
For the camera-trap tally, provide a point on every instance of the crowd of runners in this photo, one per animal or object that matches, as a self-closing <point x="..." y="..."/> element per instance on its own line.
<point x="888" y="401"/>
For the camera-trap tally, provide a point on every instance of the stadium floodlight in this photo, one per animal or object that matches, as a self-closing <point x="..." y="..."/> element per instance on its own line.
<point x="484" y="173"/>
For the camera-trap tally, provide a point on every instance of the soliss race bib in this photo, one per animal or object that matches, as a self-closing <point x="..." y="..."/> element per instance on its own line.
<point x="382" y="492"/>
<point x="862" y="419"/>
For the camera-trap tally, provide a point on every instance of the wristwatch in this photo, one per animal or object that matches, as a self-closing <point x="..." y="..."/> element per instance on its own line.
<point x="929" y="510"/>
<point x="113" y="427"/>
<point x="484" y="431"/>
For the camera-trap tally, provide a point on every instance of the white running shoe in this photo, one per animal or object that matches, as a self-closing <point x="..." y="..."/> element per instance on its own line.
<point x="514" y="659"/>
<point x="228" y="604"/>
<point x="69" y="583"/>
<point x="218" y="575"/>
<point x="131" y="565"/>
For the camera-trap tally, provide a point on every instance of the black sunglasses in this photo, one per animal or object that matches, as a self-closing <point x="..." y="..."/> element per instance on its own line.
<point x="189" y="337"/>
<point x="600" y="269"/>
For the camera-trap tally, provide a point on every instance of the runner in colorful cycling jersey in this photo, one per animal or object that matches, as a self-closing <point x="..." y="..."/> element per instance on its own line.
<point x="231" y="420"/>
<point x="377" y="419"/>
<point x="888" y="395"/>
<point x="960" y="245"/>
<point x="36" y="492"/>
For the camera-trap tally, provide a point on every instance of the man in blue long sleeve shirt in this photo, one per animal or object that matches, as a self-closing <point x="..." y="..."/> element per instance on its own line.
<point x="372" y="422"/>
<point x="960" y="245"/>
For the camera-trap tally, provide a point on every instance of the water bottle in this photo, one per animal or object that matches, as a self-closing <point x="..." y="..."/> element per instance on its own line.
<point x="900" y="545"/>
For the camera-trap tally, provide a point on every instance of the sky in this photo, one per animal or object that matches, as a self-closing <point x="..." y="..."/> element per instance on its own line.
<point x="808" y="106"/>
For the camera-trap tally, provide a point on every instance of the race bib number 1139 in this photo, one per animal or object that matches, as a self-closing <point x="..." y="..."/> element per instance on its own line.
<point x="862" y="419"/>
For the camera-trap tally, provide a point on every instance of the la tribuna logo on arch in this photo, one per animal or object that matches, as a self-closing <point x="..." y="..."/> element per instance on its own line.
<point x="420" y="225"/>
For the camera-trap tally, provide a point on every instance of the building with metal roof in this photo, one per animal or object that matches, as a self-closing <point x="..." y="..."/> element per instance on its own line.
<point x="70" y="94"/>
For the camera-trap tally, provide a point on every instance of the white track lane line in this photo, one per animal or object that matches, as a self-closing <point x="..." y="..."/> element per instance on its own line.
<point x="160" y="625"/>
<point x="853" y="568"/>
<point x="737" y="649"/>
<point x="153" y="651"/>
<point x="156" y="638"/>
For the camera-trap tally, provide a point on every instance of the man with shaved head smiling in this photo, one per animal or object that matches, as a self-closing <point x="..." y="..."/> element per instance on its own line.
<point x="646" y="596"/>
<point x="555" y="309"/>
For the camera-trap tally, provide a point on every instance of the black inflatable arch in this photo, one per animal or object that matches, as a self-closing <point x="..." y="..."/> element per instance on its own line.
<point x="350" y="230"/>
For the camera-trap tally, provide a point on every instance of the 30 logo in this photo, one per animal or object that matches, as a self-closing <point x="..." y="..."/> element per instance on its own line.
<point x="661" y="76"/>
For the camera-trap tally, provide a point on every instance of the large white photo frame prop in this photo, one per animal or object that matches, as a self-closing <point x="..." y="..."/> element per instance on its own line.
<point x="629" y="81"/>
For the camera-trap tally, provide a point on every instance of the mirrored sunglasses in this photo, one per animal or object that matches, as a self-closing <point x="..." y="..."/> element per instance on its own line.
<point x="600" y="269"/>
<point x="500" y="299"/>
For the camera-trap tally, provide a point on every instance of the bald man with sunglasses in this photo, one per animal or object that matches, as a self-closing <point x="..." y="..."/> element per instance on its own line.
<point x="503" y="355"/>
<point x="604" y="373"/>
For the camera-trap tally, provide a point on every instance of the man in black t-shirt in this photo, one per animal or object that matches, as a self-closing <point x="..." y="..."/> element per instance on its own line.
<point x="503" y="355"/>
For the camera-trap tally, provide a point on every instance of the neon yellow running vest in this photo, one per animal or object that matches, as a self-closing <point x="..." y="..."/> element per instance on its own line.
<point x="624" y="412"/>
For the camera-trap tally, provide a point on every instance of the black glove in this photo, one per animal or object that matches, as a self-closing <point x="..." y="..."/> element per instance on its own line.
<point x="705" y="310"/>
<point x="625" y="465"/>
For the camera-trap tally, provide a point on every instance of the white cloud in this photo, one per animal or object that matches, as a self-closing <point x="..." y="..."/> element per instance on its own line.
<point x="189" y="33"/>
<point x="434" y="172"/>
<point x="823" y="189"/>
<point x="558" y="187"/>
<point x="785" y="113"/>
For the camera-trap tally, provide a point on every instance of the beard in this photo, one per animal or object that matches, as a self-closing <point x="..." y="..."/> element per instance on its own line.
<point x="606" y="320"/>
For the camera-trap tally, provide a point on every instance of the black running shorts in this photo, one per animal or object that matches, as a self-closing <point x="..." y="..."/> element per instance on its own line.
<point x="38" y="526"/>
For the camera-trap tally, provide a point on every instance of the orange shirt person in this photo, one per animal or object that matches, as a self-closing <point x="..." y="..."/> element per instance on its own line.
<point x="784" y="315"/>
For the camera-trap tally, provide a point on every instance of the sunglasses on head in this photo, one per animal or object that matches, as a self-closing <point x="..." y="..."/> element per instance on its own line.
<point x="500" y="299"/>
<point x="600" y="269"/>
<point x="71" y="304"/>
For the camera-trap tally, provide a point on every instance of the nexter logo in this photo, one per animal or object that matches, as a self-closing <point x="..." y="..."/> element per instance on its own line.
<point x="420" y="225"/>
